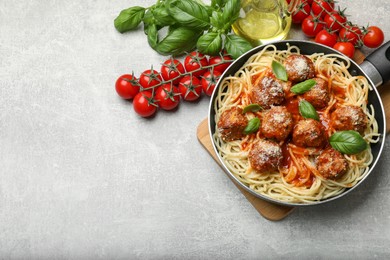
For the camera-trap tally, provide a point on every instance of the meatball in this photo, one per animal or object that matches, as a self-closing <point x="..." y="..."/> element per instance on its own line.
<point x="265" y="156"/>
<point x="331" y="164"/>
<point x="349" y="118"/>
<point x="309" y="133"/>
<point x="231" y="124"/>
<point x="299" y="68"/>
<point x="277" y="123"/>
<point x="268" y="91"/>
<point x="318" y="95"/>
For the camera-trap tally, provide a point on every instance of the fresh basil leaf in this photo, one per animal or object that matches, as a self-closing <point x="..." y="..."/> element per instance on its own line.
<point x="178" y="41"/>
<point x="218" y="3"/>
<point x="152" y="33"/>
<point x="129" y="19"/>
<point x="162" y="17"/>
<point x="348" y="142"/>
<point x="189" y="13"/>
<point x="210" y="43"/>
<point x="253" y="126"/>
<point x="236" y="45"/>
<point x="252" y="108"/>
<point x="303" y="87"/>
<point x="231" y="11"/>
<point x="307" y="110"/>
<point x="279" y="71"/>
<point x="216" y="20"/>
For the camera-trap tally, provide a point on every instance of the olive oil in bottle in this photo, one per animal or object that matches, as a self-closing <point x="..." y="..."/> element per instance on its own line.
<point x="263" y="21"/>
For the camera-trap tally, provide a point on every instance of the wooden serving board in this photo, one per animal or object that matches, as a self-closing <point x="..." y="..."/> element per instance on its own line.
<point x="267" y="209"/>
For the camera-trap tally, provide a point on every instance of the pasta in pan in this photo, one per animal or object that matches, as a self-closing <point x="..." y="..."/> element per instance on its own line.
<point x="289" y="158"/>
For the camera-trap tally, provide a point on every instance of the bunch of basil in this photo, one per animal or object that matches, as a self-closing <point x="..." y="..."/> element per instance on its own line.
<point x="189" y="24"/>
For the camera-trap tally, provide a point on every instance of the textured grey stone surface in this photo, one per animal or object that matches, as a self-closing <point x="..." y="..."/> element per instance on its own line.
<point x="83" y="177"/>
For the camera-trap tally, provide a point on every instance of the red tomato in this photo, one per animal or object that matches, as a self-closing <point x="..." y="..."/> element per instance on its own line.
<point x="167" y="96"/>
<point x="171" y="69"/>
<point x="301" y="11"/>
<point x="374" y="37"/>
<point x="309" y="2"/>
<point x="149" y="78"/>
<point x="195" y="61"/>
<point x="144" y="105"/>
<point x="209" y="80"/>
<point x="325" y="37"/>
<point x="311" y="26"/>
<point x="127" y="86"/>
<point x="318" y="7"/>
<point x="335" y="21"/>
<point x="346" y="48"/>
<point x="218" y="59"/>
<point x="351" y="33"/>
<point x="190" y="88"/>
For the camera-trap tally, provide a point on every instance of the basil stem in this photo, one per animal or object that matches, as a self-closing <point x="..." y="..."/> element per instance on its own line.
<point x="252" y="108"/>
<point x="279" y="71"/>
<point x="129" y="19"/>
<point x="303" y="87"/>
<point x="348" y="142"/>
<point x="253" y="126"/>
<point x="307" y="110"/>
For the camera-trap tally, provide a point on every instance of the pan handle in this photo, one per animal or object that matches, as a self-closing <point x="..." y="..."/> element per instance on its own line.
<point x="377" y="65"/>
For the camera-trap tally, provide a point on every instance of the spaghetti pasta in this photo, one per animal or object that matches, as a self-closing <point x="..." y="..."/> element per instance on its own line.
<point x="298" y="180"/>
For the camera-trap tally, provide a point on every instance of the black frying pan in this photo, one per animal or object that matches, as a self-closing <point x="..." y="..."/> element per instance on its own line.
<point x="376" y="68"/>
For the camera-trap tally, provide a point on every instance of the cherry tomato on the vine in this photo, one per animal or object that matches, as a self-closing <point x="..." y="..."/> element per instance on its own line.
<point x="144" y="105"/>
<point x="325" y="37"/>
<point x="311" y="26"/>
<point x="167" y="96"/>
<point x="209" y="80"/>
<point x="127" y="86"/>
<point x="195" y="61"/>
<point x="321" y="7"/>
<point x="335" y="21"/>
<point x="149" y="78"/>
<point x="346" y="48"/>
<point x="218" y="59"/>
<point x="171" y="69"/>
<point x="301" y="11"/>
<point x="352" y="34"/>
<point x="374" y="37"/>
<point x="190" y="88"/>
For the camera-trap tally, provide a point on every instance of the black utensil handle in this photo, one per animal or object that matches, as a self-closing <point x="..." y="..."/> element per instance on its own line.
<point x="380" y="59"/>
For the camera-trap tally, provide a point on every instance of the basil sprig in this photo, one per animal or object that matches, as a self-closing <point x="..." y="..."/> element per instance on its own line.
<point x="279" y="71"/>
<point x="303" y="87"/>
<point x="348" y="142"/>
<point x="190" y="24"/>
<point x="252" y="108"/>
<point x="307" y="110"/>
<point x="253" y="126"/>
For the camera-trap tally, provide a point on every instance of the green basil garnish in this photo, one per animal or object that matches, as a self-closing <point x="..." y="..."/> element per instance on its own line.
<point x="279" y="71"/>
<point x="348" y="142"/>
<point x="236" y="45"/>
<point x="252" y="108"/>
<point x="189" y="13"/>
<point x="307" y="110"/>
<point x="129" y="19"/>
<point x="253" y="126"/>
<point x="178" y="41"/>
<point x="210" y="43"/>
<point x="303" y="87"/>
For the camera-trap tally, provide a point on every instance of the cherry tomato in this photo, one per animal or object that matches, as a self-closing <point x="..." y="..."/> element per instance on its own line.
<point x="195" y="61"/>
<point x="346" y="48"/>
<point x="325" y="37"/>
<point x="218" y="59"/>
<point x="167" y="96"/>
<point x="374" y="37"/>
<point x="171" y="69"/>
<point x="149" y="78"/>
<point x="335" y="21"/>
<point x="127" y="86"/>
<point x="301" y="11"/>
<point x="311" y="26"/>
<point x="144" y="105"/>
<point x="209" y="80"/>
<point x="318" y="7"/>
<point x="309" y="2"/>
<point x="351" y="33"/>
<point x="190" y="88"/>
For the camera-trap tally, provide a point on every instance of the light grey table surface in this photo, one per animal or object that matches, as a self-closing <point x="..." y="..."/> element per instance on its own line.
<point x="83" y="177"/>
